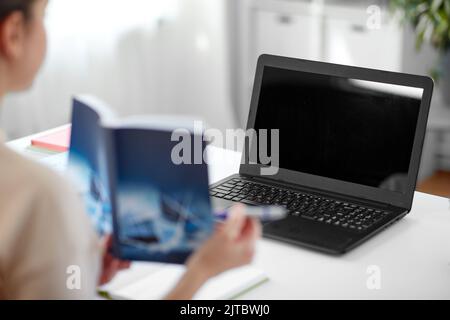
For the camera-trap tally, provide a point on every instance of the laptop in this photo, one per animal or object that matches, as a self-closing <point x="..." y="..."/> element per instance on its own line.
<point x="349" y="148"/>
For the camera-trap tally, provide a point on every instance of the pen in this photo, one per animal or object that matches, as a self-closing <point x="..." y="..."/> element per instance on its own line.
<point x="265" y="214"/>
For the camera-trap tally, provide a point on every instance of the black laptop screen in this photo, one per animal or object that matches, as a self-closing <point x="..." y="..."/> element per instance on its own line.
<point x="345" y="129"/>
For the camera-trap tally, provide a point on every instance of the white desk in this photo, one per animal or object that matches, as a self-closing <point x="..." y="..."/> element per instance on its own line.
<point x="414" y="254"/>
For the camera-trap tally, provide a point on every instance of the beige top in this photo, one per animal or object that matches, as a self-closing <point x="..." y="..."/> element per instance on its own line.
<point x="48" y="248"/>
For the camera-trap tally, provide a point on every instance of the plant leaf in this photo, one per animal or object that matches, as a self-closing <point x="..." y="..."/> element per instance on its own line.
<point x="436" y="5"/>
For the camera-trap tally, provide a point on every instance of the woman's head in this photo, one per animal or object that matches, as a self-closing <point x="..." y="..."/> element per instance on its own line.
<point x="22" y="41"/>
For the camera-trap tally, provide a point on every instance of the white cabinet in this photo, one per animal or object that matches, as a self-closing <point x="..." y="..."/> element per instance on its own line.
<point x="330" y="33"/>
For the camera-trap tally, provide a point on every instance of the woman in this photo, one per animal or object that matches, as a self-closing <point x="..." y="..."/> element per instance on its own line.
<point x="44" y="232"/>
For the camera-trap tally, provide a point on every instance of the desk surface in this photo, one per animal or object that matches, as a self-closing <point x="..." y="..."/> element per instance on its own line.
<point x="413" y="256"/>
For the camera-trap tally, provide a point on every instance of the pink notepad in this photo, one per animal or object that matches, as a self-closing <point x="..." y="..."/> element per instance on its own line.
<point x="58" y="141"/>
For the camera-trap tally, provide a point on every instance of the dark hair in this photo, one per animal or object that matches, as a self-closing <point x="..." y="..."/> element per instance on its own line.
<point x="7" y="7"/>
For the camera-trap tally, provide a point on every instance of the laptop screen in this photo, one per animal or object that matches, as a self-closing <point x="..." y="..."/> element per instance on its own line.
<point x="345" y="129"/>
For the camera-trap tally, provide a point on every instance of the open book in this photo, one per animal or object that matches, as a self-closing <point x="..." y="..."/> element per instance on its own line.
<point x="157" y="208"/>
<point x="148" y="281"/>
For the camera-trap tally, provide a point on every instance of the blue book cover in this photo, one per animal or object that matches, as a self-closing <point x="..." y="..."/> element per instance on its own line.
<point x="156" y="209"/>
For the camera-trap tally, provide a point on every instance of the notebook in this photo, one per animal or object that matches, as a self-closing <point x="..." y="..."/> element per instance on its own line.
<point x="147" y="281"/>
<point x="57" y="141"/>
<point x="158" y="209"/>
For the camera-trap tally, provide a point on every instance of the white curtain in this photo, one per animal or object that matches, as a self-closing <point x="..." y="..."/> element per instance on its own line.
<point x="140" y="56"/>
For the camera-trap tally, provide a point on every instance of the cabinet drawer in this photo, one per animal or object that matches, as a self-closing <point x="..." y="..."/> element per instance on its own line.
<point x="353" y="43"/>
<point x="285" y="34"/>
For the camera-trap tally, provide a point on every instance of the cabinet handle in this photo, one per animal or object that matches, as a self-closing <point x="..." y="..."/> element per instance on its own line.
<point x="285" y="19"/>
<point x="358" y="28"/>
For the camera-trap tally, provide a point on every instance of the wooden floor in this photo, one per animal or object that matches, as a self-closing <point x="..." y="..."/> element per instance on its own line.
<point x="439" y="184"/>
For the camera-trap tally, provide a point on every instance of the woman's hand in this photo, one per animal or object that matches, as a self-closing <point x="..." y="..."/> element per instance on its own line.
<point x="231" y="246"/>
<point x="110" y="265"/>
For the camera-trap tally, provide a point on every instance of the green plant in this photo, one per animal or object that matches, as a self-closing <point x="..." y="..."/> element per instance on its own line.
<point x="430" y="18"/>
<point x="431" y="21"/>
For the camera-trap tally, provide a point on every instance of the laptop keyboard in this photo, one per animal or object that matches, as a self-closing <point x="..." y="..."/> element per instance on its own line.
<point x="312" y="207"/>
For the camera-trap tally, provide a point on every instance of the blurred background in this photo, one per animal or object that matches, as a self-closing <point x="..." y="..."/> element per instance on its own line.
<point x="198" y="57"/>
